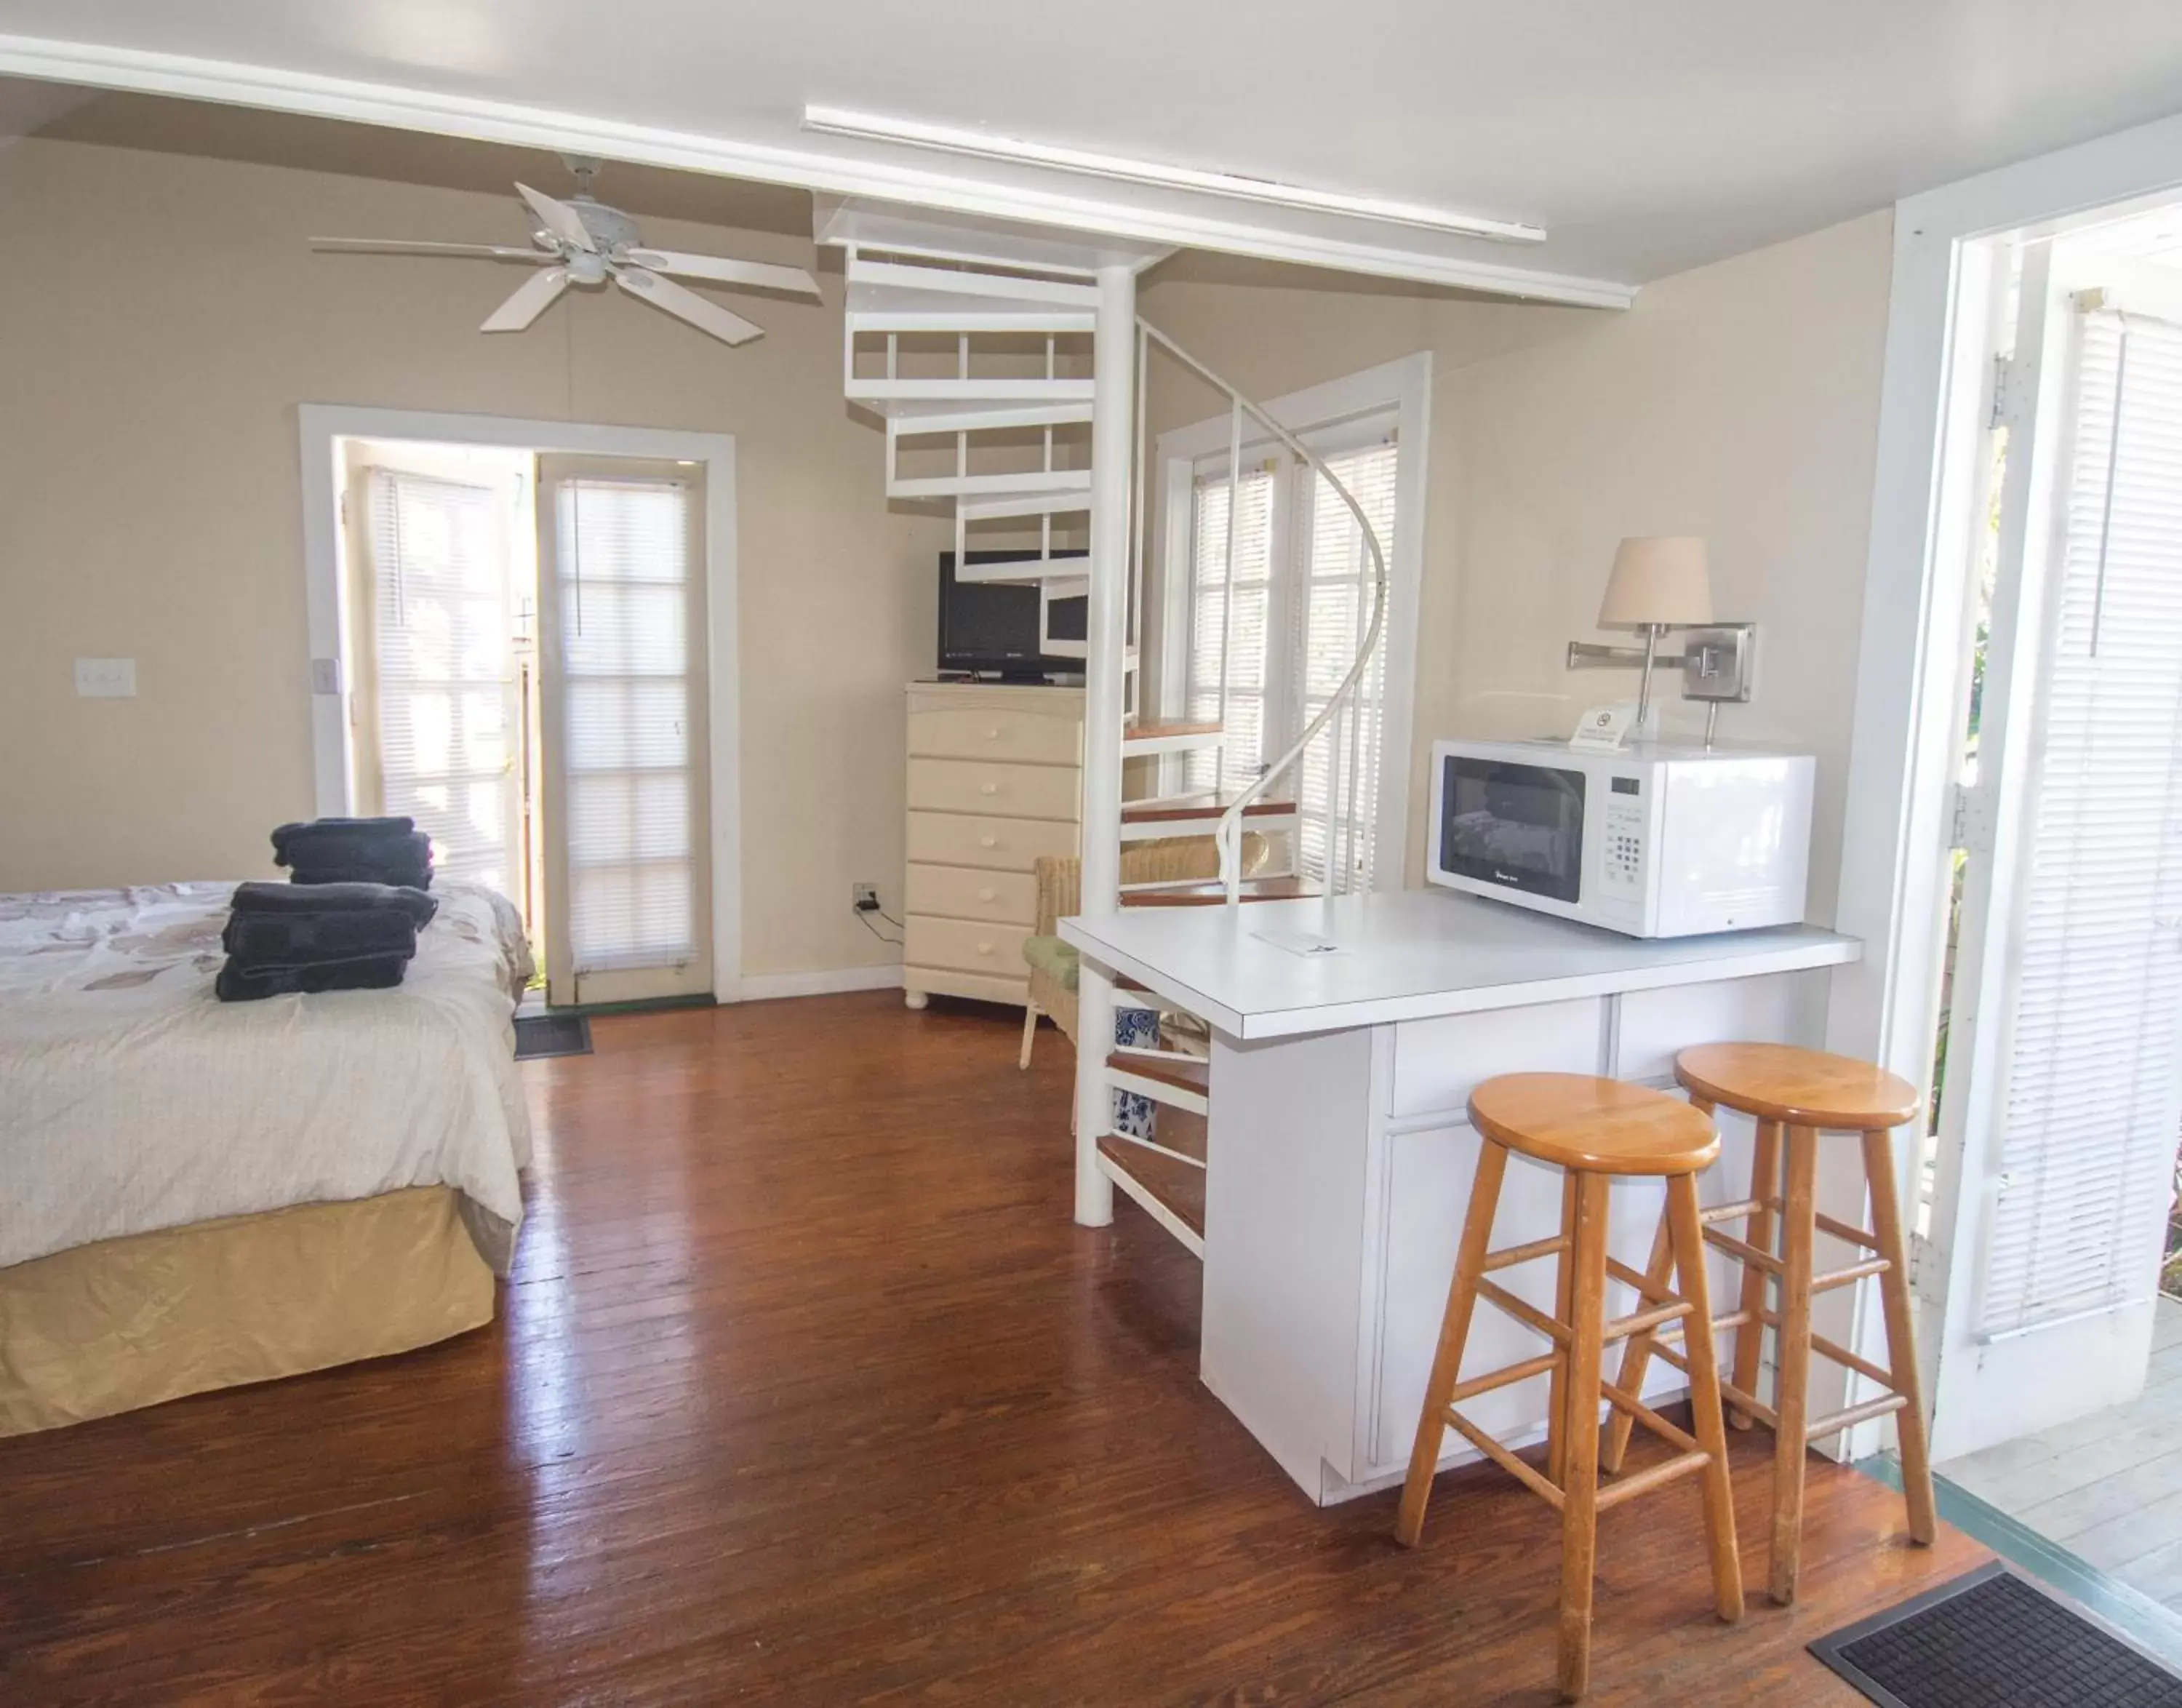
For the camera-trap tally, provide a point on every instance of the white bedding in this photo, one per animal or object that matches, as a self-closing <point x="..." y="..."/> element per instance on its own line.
<point x="132" y="1100"/>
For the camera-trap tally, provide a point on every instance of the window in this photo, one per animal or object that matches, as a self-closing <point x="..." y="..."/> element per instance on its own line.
<point x="1301" y="595"/>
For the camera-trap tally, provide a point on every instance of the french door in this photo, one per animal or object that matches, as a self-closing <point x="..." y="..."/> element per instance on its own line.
<point x="439" y="716"/>
<point x="2061" y="1103"/>
<point x="622" y="628"/>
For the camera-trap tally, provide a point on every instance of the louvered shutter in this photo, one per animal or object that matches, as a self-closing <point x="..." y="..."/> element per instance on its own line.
<point x="443" y="667"/>
<point x="2094" y="1049"/>
<point x="1329" y="619"/>
<point x="1245" y="644"/>
<point x="622" y="562"/>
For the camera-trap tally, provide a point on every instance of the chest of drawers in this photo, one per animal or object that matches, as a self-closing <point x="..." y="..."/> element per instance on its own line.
<point x="996" y="780"/>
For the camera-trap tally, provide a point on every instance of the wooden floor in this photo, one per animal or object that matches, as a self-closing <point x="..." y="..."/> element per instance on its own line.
<point x="2107" y="1488"/>
<point x="808" y="1391"/>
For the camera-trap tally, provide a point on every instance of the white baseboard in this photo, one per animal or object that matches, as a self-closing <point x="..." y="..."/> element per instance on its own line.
<point x="765" y="987"/>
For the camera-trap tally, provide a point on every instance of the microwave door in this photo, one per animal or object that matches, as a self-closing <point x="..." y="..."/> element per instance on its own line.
<point x="1517" y="827"/>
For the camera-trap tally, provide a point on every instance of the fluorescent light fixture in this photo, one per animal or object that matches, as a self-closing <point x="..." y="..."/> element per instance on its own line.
<point x="834" y="121"/>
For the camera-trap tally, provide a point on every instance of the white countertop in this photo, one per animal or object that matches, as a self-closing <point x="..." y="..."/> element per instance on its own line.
<point x="1409" y="955"/>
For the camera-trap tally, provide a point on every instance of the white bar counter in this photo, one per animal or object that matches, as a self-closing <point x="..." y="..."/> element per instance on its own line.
<point x="1340" y="1153"/>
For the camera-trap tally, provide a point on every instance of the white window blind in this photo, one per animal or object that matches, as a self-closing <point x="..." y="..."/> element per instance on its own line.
<point x="2090" y="1103"/>
<point x="443" y="667"/>
<point x="1242" y="647"/>
<point x="1333" y="606"/>
<point x="623" y="559"/>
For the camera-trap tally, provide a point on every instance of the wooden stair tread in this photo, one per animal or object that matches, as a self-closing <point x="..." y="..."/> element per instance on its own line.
<point x="1183" y="1073"/>
<point x="1145" y="813"/>
<point x="1176" y="1185"/>
<point x="1213" y="892"/>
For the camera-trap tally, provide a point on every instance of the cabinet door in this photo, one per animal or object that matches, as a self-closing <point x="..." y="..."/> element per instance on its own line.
<point x="1425" y="1199"/>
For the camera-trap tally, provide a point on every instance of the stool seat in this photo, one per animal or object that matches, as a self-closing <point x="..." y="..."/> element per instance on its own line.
<point x="1593" y="1125"/>
<point x="1799" y="1087"/>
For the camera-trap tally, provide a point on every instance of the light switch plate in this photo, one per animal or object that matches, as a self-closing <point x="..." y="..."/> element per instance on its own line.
<point x="106" y="679"/>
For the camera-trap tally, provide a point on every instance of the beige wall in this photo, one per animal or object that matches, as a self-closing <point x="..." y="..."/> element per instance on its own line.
<point x="151" y="364"/>
<point x="1739" y="401"/>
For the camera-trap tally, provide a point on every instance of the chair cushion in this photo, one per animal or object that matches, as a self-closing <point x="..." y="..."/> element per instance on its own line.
<point x="1052" y="957"/>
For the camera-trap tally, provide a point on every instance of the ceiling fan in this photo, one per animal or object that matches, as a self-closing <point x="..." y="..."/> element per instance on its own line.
<point x="584" y="242"/>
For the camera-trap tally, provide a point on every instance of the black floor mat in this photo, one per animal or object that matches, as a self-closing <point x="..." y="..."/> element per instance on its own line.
<point x="551" y="1034"/>
<point x="1990" y="1639"/>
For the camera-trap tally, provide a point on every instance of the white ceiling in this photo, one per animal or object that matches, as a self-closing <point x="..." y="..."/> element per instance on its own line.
<point x="1647" y="137"/>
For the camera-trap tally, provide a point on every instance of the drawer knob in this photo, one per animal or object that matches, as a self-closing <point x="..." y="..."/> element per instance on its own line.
<point x="988" y="789"/>
<point x="989" y="895"/>
<point x="989" y="842"/>
<point x="984" y="948"/>
<point x="992" y="734"/>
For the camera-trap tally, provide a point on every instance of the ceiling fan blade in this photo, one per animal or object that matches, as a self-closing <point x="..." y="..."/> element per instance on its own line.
<point x="532" y="298"/>
<point x="385" y="246"/>
<point x="686" y="305"/>
<point x="763" y="275"/>
<point x="560" y="219"/>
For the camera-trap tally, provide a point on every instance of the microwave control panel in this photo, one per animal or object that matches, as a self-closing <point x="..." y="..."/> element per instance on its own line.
<point x="1622" y="869"/>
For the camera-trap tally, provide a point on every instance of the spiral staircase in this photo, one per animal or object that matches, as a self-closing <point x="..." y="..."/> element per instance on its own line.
<point x="1008" y="366"/>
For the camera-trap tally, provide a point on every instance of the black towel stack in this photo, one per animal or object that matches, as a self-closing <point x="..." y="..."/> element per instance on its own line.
<point x="355" y="850"/>
<point x="285" y="938"/>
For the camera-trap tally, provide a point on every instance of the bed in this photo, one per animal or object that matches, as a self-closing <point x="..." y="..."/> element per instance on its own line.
<point x="195" y="1194"/>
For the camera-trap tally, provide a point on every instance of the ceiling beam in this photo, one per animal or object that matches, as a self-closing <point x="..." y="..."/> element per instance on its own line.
<point x="1195" y="223"/>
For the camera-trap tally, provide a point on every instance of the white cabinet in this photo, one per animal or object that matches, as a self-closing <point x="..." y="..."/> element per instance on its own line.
<point x="994" y="780"/>
<point x="1340" y="1173"/>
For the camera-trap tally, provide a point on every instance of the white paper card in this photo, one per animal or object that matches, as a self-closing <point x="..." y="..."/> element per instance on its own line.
<point x="1300" y="942"/>
<point x="1603" y="729"/>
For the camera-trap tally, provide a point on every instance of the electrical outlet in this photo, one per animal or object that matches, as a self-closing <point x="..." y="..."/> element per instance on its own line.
<point x="864" y="898"/>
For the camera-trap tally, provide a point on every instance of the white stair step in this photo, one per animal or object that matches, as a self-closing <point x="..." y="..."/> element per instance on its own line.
<point x="920" y="420"/>
<point x="1018" y="571"/>
<point x="1183" y="1082"/>
<point x="1169" y="738"/>
<point x="901" y="311"/>
<point x="1171" y="1195"/>
<point x="957" y="281"/>
<point x="1037" y="482"/>
<point x="1146" y="821"/>
<point x="875" y="389"/>
<point x="1046" y="503"/>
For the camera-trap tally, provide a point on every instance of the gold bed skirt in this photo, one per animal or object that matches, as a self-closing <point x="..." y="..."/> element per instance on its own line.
<point x="122" y="1323"/>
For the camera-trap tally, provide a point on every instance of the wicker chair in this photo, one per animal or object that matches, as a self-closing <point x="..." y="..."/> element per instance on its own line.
<point x="1169" y="860"/>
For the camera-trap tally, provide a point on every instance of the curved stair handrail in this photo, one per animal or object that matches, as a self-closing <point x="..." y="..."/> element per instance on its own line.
<point x="1228" y="836"/>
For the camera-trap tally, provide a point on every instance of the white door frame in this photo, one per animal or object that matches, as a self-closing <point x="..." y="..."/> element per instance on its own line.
<point x="1405" y="385"/>
<point x="322" y="423"/>
<point x="1903" y="752"/>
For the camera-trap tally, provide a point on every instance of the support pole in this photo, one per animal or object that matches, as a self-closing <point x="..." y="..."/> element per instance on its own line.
<point x="1106" y="635"/>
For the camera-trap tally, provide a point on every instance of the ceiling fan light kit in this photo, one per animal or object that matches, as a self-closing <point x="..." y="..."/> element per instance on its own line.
<point x="584" y="242"/>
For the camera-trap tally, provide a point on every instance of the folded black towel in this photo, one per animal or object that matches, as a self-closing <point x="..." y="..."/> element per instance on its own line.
<point x="256" y="897"/>
<point x="406" y="875"/>
<point x="309" y="844"/>
<point x="239" y="984"/>
<point x="303" y="830"/>
<point x="288" y="939"/>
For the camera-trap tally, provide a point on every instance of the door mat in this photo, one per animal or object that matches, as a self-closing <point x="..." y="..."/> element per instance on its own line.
<point x="1991" y="1639"/>
<point x="551" y="1034"/>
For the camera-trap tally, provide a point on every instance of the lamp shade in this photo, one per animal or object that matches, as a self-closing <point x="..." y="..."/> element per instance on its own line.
<point x="1657" y="578"/>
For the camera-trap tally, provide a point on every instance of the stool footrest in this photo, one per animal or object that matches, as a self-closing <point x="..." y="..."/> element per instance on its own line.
<point x="1504" y="1378"/>
<point x="1743" y="1251"/>
<point x="1749" y="1404"/>
<point x="1671" y="1433"/>
<point x="1733" y="1213"/>
<point x="1612" y="1494"/>
<point x="1819" y="1427"/>
<point x="1646" y="1287"/>
<point x="1528" y="1476"/>
<point x="1528" y="1315"/>
<point x="1524" y="1254"/>
<point x="1832" y="1279"/>
<point x="1621" y="1327"/>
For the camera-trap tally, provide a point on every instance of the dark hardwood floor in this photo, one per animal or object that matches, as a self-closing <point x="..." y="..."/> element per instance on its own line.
<point x="807" y="1390"/>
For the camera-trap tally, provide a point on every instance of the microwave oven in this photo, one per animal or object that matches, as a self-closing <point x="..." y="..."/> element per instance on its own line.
<point x="1653" y="841"/>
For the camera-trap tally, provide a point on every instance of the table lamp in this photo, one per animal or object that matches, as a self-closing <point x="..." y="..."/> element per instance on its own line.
<point x="1658" y="583"/>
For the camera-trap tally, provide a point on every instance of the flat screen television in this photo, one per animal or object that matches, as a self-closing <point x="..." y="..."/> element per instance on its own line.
<point x="991" y="628"/>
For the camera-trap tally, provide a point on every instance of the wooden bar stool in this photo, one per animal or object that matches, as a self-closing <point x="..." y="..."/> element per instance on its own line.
<point x="1592" y="1129"/>
<point x="1794" y="1095"/>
